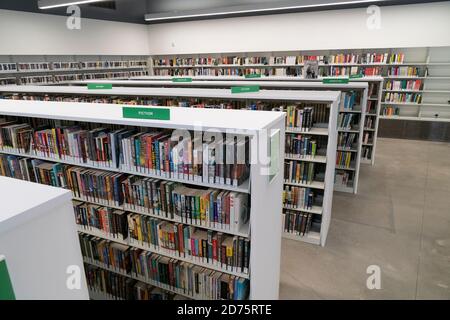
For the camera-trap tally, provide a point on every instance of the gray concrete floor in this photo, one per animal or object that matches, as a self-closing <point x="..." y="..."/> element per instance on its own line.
<point x="399" y="220"/>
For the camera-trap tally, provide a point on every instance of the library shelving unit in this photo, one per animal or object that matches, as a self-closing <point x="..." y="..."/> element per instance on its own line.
<point x="373" y="106"/>
<point x="61" y="71"/>
<point x="346" y="177"/>
<point x="419" y="90"/>
<point x="264" y="228"/>
<point x="329" y="99"/>
<point x="36" y="223"/>
<point x="427" y="100"/>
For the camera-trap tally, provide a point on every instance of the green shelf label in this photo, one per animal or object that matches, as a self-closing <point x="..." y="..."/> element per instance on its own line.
<point x="356" y="76"/>
<point x="254" y="75"/>
<point x="146" y="113"/>
<point x="97" y="86"/>
<point x="335" y="80"/>
<point x="245" y="89"/>
<point x="6" y="289"/>
<point x="181" y="79"/>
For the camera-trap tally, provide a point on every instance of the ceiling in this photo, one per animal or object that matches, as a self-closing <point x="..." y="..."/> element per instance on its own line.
<point x="134" y="10"/>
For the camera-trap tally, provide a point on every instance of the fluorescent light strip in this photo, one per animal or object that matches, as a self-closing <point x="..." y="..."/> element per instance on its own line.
<point x="260" y="10"/>
<point x="51" y="6"/>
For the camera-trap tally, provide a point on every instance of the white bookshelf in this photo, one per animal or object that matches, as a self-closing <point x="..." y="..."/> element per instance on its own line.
<point x="49" y="69"/>
<point x="330" y="98"/>
<point x="360" y="86"/>
<point x="434" y="74"/>
<point x="38" y="238"/>
<point x="372" y="80"/>
<point x="265" y="223"/>
<point x="433" y="63"/>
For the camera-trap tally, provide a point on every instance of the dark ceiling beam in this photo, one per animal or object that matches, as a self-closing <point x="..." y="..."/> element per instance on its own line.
<point x="268" y="9"/>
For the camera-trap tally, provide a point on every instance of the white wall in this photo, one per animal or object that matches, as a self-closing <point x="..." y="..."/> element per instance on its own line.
<point x="418" y="25"/>
<point x="24" y="33"/>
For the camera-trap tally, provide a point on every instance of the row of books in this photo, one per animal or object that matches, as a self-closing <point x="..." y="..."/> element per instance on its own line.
<point x="90" y="98"/>
<point x="113" y="286"/>
<point x="344" y="58"/>
<point x="145" y="267"/>
<point x="209" y="61"/>
<point x="369" y="123"/>
<point x="373" y="90"/>
<point x="366" y="152"/>
<point x="33" y="66"/>
<point x="403" y="85"/>
<point x="403" y="97"/>
<point x="223" y="210"/>
<point x="85" y="76"/>
<point x="346" y="140"/>
<point x="113" y="222"/>
<point x="217" y="249"/>
<point x="214" y="72"/>
<point x="355" y="70"/>
<point x="391" y="111"/>
<point x="349" y="100"/>
<point x="371" y="107"/>
<point x="367" y="138"/>
<point x="301" y="146"/>
<point x="39" y="66"/>
<point x="302" y="172"/>
<point x="297" y="223"/>
<point x="404" y="71"/>
<point x="344" y="159"/>
<point x="298" y="197"/>
<point x="8" y="66"/>
<point x="343" y="178"/>
<point x="291" y="60"/>
<point x="7" y="81"/>
<point x="344" y="71"/>
<point x="156" y="152"/>
<point x="365" y="58"/>
<point x="298" y="117"/>
<point x="348" y="121"/>
<point x="209" y="247"/>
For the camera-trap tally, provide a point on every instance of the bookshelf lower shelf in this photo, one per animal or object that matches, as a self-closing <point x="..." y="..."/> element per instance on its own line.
<point x="312" y="237"/>
<point x="314" y="209"/>
<point x="138" y="278"/>
<point x="314" y="184"/>
<point x="135" y="244"/>
<point x="340" y="188"/>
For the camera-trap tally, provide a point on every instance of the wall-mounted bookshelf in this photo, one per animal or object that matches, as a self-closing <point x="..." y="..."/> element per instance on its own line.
<point x="59" y="69"/>
<point x="350" y="135"/>
<point x="250" y="263"/>
<point x="322" y="178"/>
<point x="429" y="65"/>
<point x="419" y="90"/>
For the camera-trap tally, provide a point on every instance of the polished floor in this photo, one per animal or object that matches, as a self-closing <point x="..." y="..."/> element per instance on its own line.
<point x="399" y="221"/>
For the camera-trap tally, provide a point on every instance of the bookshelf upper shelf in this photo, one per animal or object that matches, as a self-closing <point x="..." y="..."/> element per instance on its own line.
<point x="263" y="78"/>
<point x="206" y="83"/>
<point x="279" y="95"/>
<point x="180" y="118"/>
